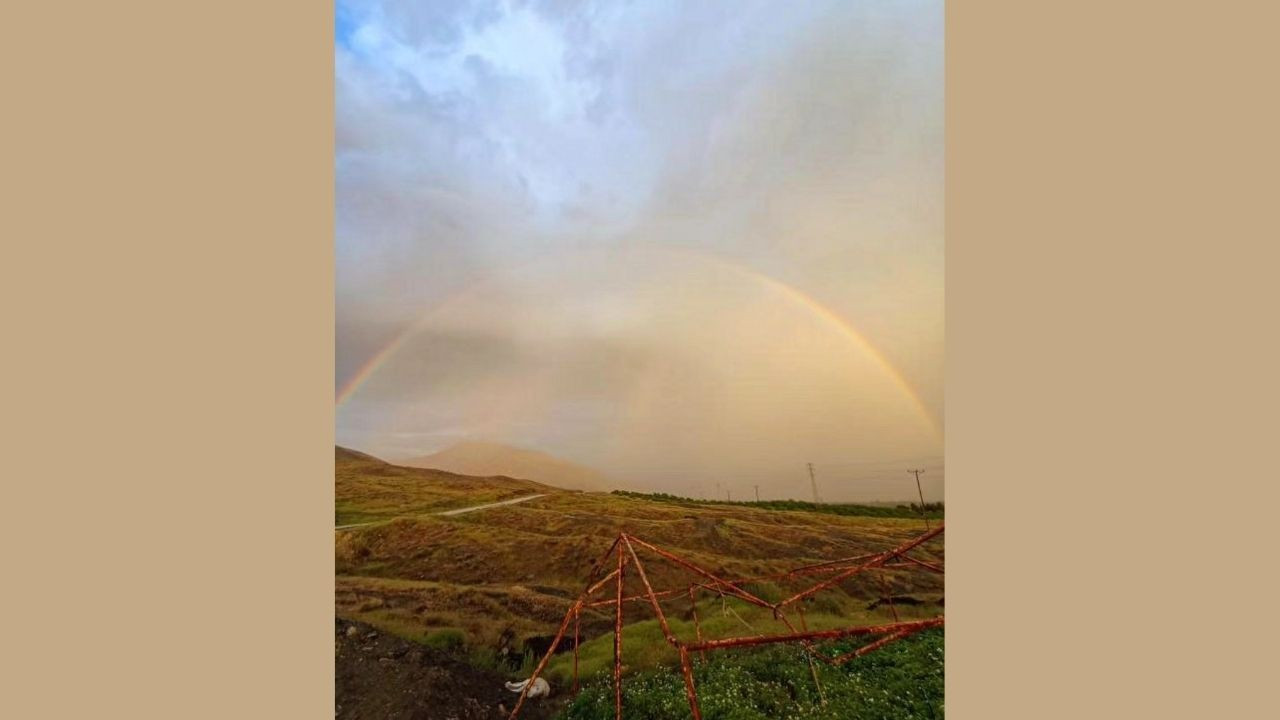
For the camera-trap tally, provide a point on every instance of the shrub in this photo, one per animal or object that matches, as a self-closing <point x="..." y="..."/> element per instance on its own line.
<point x="445" y="639"/>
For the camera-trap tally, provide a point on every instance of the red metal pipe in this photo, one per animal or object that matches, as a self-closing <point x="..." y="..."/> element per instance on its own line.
<point x="669" y="594"/>
<point x="617" y="637"/>
<point x="892" y="632"/>
<point x="574" y="611"/>
<point x="879" y="560"/>
<point x="690" y="566"/>
<point x="871" y="647"/>
<point x="808" y="647"/>
<point x="595" y="569"/>
<point x="657" y="608"/>
<point x="818" y="634"/>
<point x="591" y="590"/>
<point x="922" y="563"/>
<point x="888" y="593"/>
<point x="824" y="565"/>
<point x="564" y="625"/>
<point x="697" y="626"/>
<point x="689" y="691"/>
<point x="577" y="640"/>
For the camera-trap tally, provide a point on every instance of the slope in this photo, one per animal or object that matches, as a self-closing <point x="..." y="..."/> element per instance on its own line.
<point x="367" y="488"/>
<point x="486" y="458"/>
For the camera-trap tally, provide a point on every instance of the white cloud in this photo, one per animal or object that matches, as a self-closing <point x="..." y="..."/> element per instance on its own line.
<point x="801" y="141"/>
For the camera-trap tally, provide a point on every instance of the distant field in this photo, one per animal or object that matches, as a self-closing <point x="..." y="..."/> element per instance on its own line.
<point x="933" y="511"/>
<point x="494" y="580"/>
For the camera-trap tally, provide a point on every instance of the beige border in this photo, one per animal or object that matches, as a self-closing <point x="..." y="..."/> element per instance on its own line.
<point x="1110" y="169"/>
<point x="168" y="343"/>
<point x="167" y="307"/>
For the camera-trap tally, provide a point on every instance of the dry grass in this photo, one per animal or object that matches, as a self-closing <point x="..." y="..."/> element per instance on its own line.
<point x="511" y="572"/>
<point x="417" y="610"/>
<point x="368" y="489"/>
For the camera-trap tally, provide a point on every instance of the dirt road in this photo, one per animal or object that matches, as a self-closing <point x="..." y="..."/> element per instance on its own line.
<point x="459" y="511"/>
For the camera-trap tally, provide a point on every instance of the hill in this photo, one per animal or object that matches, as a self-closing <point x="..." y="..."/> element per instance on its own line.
<point x="368" y="489"/>
<point x="485" y="458"/>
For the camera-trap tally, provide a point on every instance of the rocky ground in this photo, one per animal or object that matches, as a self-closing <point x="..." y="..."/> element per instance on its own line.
<point x="383" y="677"/>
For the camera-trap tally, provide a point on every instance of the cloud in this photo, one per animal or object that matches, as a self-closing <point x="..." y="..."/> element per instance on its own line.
<point x="489" y="154"/>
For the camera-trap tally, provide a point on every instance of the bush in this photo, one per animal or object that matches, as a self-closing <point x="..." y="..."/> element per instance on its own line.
<point x="445" y="639"/>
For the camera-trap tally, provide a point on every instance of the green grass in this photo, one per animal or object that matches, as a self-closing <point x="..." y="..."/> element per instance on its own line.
<point x="644" y="647"/>
<point x="902" y="680"/>
<point x="446" y="639"/>
<point x="933" y="511"/>
<point x="389" y="622"/>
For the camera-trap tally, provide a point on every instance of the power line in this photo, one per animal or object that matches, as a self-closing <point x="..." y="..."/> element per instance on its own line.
<point x="926" y="460"/>
<point x="881" y="475"/>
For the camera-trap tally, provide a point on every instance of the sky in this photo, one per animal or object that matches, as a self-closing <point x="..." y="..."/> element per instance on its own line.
<point x="694" y="246"/>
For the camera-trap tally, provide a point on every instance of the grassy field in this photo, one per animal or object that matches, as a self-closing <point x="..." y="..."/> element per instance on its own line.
<point x="368" y="489"/>
<point x="644" y="646"/>
<point x="491" y="580"/>
<point x="933" y="511"/>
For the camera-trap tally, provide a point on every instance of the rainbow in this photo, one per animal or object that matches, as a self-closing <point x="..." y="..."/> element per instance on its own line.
<point x="788" y="292"/>
<point x="378" y="359"/>
<point x="838" y="323"/>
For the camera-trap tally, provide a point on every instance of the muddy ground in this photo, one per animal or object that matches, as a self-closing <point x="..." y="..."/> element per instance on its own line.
<point x="383" y="677"/>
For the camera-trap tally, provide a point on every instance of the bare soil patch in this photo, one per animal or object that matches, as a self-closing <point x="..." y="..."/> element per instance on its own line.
<point x="385" y="677"/>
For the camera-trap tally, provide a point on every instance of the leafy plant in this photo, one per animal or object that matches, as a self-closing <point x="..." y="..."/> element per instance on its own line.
<point x="902" y="680"/>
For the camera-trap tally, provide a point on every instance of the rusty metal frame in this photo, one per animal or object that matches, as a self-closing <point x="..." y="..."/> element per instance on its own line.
<point x="624" y="548"/>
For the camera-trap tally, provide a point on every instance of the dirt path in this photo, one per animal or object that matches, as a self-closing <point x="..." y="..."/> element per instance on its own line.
<point x="459" y="511"/>
<point x="513" y="501"/>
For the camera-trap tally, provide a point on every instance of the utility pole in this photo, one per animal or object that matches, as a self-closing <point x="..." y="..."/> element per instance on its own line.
<point x="728" y="495"/>
<point x="813" y="482"/>
<point x="757" y="487"/>
<point x="926" y="517"/>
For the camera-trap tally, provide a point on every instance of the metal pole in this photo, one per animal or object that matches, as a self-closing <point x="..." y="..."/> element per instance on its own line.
<point x="577" y="640"/>
<point x="718" y="581"/>
<point x="617" y="638"/>
<point x="877" y="562"/>
<point x="697" y="627"/>
<point x="819" y="635"/>
<point x="689" y="692"/>
<point x="545" y="659"/>
<point x="922" y="513"/>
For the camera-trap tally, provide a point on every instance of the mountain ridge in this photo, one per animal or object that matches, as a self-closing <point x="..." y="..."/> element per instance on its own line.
<point x="483" y="458"/>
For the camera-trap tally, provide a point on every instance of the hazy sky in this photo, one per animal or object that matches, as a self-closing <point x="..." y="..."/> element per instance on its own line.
<point x="684" y="243"/>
